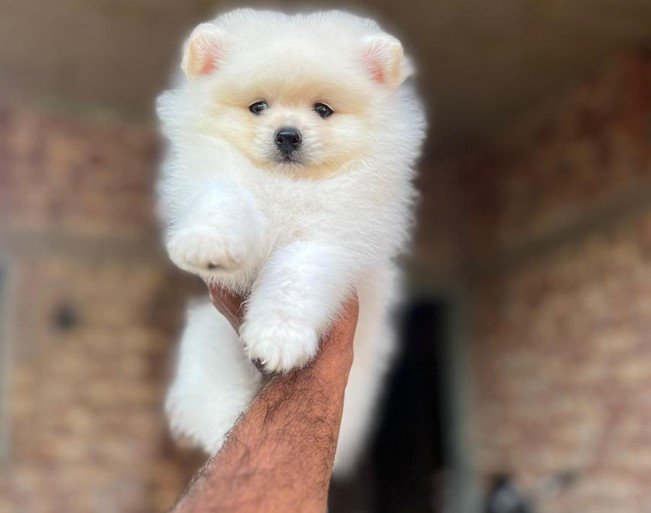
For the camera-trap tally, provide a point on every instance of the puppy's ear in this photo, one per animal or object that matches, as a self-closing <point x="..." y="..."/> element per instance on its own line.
<point x="203" y="51"/>
<point x="385" y="60"/>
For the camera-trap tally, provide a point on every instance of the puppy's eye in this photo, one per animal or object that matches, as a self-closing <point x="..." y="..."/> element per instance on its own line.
<point x="258" y="107"/>
<point x="322" y="110"/>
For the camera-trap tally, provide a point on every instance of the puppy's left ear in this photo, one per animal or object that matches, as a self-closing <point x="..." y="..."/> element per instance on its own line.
<point x="203" y="51"/>
<point x="385" y="60"/>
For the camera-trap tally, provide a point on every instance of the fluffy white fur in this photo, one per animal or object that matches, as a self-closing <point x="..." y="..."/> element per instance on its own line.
<point x="300" y="235"/>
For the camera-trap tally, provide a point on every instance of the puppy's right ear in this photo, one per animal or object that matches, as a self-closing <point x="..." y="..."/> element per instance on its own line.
<point x="203" y="51"/>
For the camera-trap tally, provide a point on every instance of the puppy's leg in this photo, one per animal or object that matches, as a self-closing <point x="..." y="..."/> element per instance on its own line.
<point x="217" y="232"/>
<point x="215" y="381"/>
<point x="294" y="299"/>
<point x="374" y="350"/>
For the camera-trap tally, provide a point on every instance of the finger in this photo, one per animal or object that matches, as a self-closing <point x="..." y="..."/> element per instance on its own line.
<point x="229" y="305"/>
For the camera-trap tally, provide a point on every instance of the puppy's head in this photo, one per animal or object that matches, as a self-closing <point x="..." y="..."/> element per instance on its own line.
<point x="301" y="94"/>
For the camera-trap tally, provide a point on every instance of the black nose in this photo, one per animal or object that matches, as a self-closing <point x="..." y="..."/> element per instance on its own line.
<point x="288" y="139"/>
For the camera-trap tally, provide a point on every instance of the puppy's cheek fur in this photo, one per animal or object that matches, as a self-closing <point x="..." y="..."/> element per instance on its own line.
<point x="236" y="126"/>
<point x="340" y="142"/>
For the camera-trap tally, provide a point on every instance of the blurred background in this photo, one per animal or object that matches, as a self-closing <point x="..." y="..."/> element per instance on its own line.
<point x="525" y="379"/>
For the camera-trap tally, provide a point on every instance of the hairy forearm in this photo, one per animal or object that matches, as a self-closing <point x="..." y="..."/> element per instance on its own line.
<point x="279" y="456"/>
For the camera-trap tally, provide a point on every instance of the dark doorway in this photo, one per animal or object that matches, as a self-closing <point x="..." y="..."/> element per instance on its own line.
<point x="407" y="457"/>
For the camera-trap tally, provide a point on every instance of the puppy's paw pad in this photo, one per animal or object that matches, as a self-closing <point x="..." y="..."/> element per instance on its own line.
<point x="281" y="345"/>
<point x="204" y="250"/>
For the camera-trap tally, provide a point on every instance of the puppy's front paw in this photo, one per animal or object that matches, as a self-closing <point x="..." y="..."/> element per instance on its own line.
<point x="203" y="250"/>
<point x="280" y="344"/>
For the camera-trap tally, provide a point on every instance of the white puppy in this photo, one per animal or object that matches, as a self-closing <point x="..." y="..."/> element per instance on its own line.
<point x="288" y="177"/>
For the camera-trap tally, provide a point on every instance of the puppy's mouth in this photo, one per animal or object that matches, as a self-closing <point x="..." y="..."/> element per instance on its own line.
<point x="294" y="157"/>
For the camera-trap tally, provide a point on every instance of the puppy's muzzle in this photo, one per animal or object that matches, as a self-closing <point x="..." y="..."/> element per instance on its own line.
<point x="288" y="139"/>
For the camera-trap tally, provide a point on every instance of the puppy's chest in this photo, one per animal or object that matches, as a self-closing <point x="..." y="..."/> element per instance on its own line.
<point x="301" y="207"/>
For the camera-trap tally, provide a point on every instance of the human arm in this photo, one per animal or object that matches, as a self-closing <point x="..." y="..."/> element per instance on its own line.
<point x="279" y="456"/>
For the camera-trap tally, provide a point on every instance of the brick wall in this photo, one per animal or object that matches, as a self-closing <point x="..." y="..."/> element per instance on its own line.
<point x="92" y="313"/>
<point x="554" y="244"/>
<point x="549" y="228"/>
<point x="63" y="174"/>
